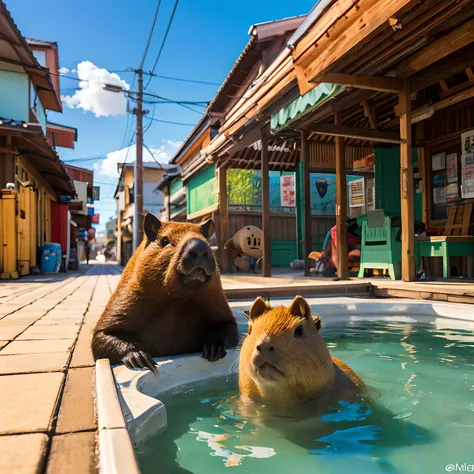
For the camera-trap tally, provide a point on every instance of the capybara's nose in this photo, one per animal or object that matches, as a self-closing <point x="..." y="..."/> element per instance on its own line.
<point x="265" y="348"/>
<point x="198" y="248"/>
<point x="198" y="254"/>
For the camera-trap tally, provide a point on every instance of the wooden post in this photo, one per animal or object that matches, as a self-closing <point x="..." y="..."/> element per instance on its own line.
<point x="341" y="204"/>
<point x="406" y="184"/>
<point x="267" y="262"/>
<point x="307" y="201"/>
<point x="224" y="216"/>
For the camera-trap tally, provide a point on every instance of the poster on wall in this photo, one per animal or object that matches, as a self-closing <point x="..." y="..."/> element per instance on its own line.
<point x="467" y="162"/>
<point x="438" y="162"/>
<point x="452" y="167"/>
<point x="452" y="192"/>
<point x="288" y="191"/>
<point x="357" y="193"/>
<point x="439" y="195"/>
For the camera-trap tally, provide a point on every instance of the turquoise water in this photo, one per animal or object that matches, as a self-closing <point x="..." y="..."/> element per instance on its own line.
<point x="417" y="417"/>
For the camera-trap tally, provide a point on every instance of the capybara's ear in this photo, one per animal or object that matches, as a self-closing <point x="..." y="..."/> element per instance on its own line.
<point x="317" y="322"/>
<point x="207" y="228"/>
<point x="151" y="226"/>
<point x="259" y="306"/>
<point x="300" y="307"/>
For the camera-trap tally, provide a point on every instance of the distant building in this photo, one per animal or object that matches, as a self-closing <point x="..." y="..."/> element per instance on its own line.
<point x="153" y="201"/>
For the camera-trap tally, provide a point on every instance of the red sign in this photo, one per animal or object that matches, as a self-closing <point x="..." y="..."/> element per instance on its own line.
<point x="288" y="191"/>
<point x="95" y="218"/>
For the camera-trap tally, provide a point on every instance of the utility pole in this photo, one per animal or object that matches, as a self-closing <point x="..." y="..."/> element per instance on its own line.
<point x="138" y="168"/>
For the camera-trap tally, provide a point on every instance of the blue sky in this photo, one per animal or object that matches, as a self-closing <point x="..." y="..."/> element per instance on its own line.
<point x="205" y="39"/>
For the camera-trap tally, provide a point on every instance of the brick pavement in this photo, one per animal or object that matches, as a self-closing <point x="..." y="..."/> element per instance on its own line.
<point x="46" y="370"/>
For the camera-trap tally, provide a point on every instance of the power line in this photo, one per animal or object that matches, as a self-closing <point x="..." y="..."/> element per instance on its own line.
<point x="150" y="34"/>
<point x="192" y="81"/>
<point x="153" y="156"/>
<point x="85" y="158"/>
<point x="163" y="42"/>
<point x="171" y="123"/>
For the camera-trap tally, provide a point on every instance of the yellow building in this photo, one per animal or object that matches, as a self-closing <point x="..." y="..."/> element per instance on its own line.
<point x="31" y="174"/>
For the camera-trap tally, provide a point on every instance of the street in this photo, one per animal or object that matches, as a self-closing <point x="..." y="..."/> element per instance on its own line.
<point x="46" y="368"/>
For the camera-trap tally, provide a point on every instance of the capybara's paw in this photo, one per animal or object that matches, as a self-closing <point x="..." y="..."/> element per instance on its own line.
<point x="214" y="351"/>
<point x="140" y="360"/>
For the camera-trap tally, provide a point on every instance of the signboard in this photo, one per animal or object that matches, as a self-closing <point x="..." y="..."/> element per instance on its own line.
<point x="288" y="191"/>
<point x="96" y="193"/>
<point x="90" y="211"/>
<point x="452" y="167"/>
<point x="95" y="218"/>
<point x="467" y="164"/>
<point x="357" y="193"/>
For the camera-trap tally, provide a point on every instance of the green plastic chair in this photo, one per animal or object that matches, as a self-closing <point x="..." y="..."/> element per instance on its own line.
<point x="380" y="248"/>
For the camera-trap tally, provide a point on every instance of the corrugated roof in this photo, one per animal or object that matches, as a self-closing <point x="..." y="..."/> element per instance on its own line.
<point x="304" y="104"/>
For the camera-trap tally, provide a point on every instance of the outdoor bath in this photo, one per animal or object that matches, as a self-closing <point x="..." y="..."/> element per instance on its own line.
<point x="415" y="356"/>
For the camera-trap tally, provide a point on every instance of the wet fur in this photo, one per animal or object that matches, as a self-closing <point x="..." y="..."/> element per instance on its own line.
<point x="309" y="370"/>
<point x="152" y="311"/>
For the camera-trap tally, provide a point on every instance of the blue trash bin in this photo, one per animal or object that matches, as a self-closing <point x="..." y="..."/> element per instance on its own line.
<point x="51" y="254"/>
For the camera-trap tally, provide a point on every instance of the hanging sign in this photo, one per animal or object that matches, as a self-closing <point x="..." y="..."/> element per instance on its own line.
<point x="467" y="162"/>
<point x="288" y="191"/>
<point x="96" y="193"/>
<point x="95" y="219"/>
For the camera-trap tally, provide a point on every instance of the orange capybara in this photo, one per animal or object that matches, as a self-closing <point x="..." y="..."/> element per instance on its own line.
<point x="284" y="359"/>
<point x="169" y="300"/>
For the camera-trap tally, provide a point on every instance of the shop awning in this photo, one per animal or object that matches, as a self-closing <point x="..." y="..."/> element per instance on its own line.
<point x="304" y="104"/>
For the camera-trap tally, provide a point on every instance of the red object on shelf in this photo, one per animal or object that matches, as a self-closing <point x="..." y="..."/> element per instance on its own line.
<point x="59" y="223"/>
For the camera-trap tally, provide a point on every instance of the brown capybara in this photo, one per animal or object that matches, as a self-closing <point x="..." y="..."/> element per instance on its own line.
<point x="169" y="300"/>
<point x="284" y="359"/>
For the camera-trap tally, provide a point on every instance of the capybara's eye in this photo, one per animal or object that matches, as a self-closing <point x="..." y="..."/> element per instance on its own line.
<point x="164" y="241"/>
<point x="299" y="331"/>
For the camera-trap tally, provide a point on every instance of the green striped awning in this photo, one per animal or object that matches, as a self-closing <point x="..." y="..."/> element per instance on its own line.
<point x="304" y="104"/>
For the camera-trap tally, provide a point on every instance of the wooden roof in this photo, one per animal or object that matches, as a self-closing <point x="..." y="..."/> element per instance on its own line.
<point x="423" y="41"/>
<point x="14" y="49"/>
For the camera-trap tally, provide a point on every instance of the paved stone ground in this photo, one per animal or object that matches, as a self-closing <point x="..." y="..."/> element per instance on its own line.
<point x="48" y="423"/>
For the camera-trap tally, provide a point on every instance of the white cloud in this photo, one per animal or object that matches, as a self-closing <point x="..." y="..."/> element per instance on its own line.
<point x="63" y="70"/>
<point x="162" y="154"/>
<point x="91" y="96"/>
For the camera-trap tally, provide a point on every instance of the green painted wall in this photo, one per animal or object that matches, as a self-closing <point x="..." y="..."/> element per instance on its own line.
<point x="14" y="90"/>
<point x="202" y="190"/>
<point x="175" y="185"/>
<point x="387" y="182"/>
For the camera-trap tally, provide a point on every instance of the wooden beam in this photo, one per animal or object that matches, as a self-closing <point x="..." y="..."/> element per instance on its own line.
<point x="370" y="113"/>
<point x="6" y="150"/>
<point x="443" y="69"/>
<point x="359" y="133"/>
<point x="307" y="202"/>
<point x="223" y="217"/>
<point x="341" y="204"/>
<point x="469" y="73"/>
<point x="267" y="262"/>
<point x="350" y="31"/>
<point x="442" y="47"/>
<point x="406" y="185"/>
<point x="372" y="83"/>
<point x="444" y="86"/>
<point x="448" y="92"/>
